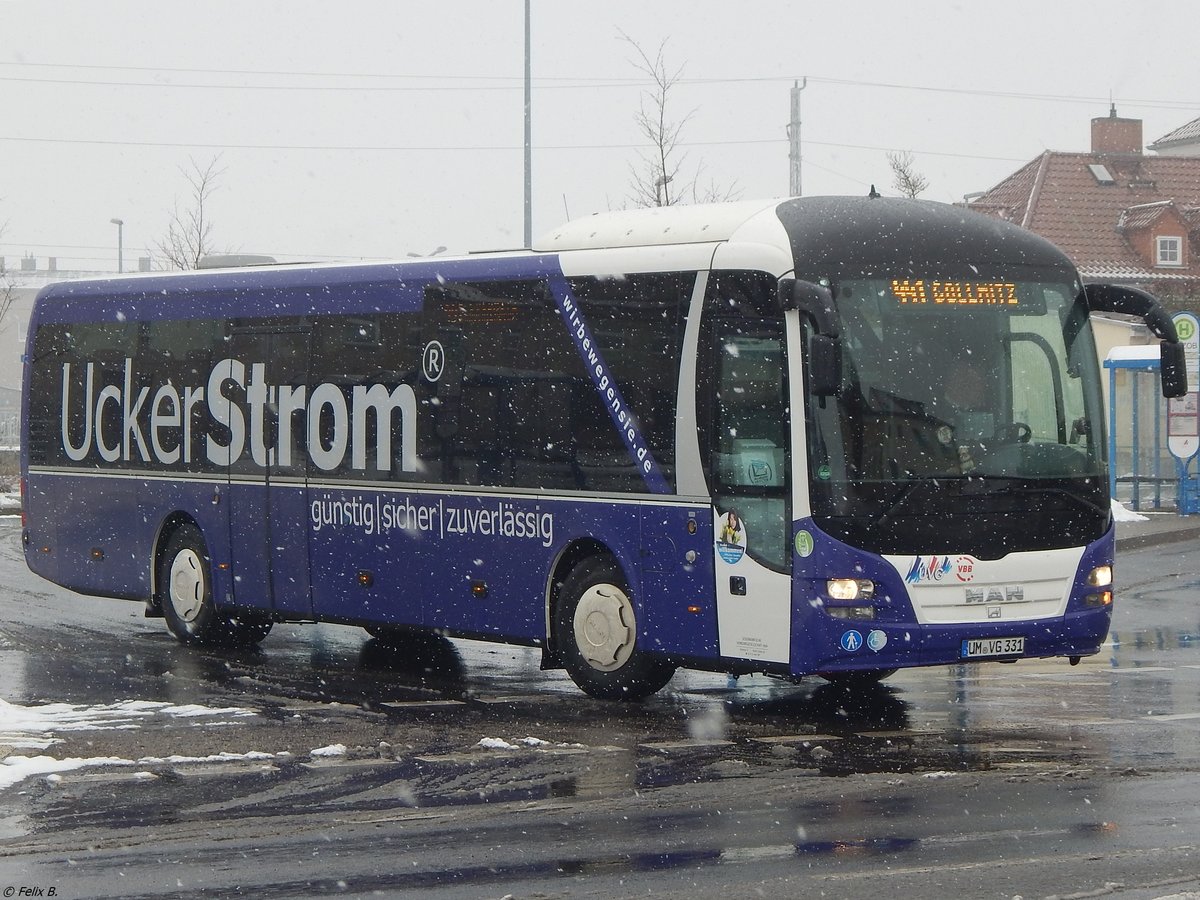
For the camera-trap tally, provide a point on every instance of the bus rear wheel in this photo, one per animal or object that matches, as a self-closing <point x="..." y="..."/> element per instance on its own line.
<point x="185" y="596"/>
<point x="596" y="633"/>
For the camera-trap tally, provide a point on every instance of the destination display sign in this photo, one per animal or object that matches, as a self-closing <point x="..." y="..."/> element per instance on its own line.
<point x="927" y="292"/>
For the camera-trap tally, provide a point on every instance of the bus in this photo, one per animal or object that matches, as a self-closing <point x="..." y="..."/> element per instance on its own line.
<point x="812" y="436"/>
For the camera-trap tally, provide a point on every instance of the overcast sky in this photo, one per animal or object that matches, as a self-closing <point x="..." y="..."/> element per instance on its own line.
<point x="377" y="129"/>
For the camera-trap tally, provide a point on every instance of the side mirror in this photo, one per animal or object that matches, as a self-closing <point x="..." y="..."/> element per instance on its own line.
<point x="1173" y="370"/>
<point x="824" y="366"/>
<point x="816" y="302"/>
<point x="1133" y="301"/>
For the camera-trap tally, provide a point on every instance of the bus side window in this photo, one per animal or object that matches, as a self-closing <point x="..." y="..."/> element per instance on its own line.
<point x="516" y="405"/>
<point x="361" y="351"/>
<point x="181" y="353"/>
<point x="502" y="409"/>
<point x="52" y="350"/>
<point x="750" y="423"/>
<point x="637" y="322"/>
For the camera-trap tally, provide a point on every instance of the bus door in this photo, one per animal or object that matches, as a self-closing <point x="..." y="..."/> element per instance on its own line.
<point x="748" y="464"/>
<point x="268" y="507"/>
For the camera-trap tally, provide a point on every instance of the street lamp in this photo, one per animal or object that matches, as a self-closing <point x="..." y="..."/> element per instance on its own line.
<point x="120" y="223"/>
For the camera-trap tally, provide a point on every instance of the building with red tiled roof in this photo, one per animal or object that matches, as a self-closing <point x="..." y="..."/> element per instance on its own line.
<point x="1183" y="141"/>
<point x="1120" y="214"/>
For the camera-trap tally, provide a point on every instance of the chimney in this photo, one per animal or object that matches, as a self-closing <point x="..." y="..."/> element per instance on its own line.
<point x="52" y="264"/>
<point x="1111" y="134"/>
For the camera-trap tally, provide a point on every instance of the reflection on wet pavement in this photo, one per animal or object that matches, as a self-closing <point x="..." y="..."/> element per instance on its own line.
<point x="430" y="701"/>
<point x="962" y="718"/>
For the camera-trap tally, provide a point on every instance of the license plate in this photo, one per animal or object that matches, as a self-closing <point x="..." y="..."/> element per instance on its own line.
<point x="1004" y="646"/>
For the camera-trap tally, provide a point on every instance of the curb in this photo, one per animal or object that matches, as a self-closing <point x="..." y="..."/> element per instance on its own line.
<point x="1153" y="539"/>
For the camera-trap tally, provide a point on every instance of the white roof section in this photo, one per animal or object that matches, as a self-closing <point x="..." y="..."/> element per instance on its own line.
<point x="700" y="223"/>
<point x="1134" y="353"/>
<point x="39" y="278"/>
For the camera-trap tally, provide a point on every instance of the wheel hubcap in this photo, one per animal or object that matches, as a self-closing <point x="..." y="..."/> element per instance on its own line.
<point x="604" y="627"/>
<point x="187" y="585"/>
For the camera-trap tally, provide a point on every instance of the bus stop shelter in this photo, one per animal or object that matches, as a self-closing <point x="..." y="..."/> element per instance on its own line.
<point x="1154" y="424"/>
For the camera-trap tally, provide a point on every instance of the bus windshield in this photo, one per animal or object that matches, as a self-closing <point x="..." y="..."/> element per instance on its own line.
<point x="968" y="411"/>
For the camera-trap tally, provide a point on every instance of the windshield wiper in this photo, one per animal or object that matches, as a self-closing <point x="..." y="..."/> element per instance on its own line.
<point x="909" y="490"/>
<point x="902" y="498"/>
<point x="1078" y="500"/>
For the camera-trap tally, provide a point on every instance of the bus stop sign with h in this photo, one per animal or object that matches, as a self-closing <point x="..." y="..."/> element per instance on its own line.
<point x="1183" y="418"/>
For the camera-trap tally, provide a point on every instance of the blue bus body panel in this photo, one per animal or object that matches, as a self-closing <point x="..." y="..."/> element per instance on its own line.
<point x="677" y="570"/>
<point x="481" y="563"/>
<point x="121" y="517"/>
<point x="102" y="514"/>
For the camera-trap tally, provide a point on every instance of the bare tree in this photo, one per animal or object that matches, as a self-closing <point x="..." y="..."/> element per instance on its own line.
<point x="8" y="293"/>
<point x="658" y="179"/>
<point x="905" y="177"/>
<point x="189" y="233"/>
<point x="8" y="288"/>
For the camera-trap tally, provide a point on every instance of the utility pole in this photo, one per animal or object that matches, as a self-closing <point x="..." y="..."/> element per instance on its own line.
<point x="120" y="223"/>
<point x="528" y="140"/>
<point x="793" y="130"/>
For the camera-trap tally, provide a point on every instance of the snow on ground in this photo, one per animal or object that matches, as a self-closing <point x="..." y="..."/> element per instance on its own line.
<point x="491" y="743"/>
<point x="331" y="750"/>
<point x="495" y="743"/>
<point x="1121" y="514"/>
<point x="14" y="769"/>
<point x="35" y="727"/>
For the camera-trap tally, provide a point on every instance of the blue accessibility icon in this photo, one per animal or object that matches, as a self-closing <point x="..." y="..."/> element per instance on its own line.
<point x="851" y="641"/>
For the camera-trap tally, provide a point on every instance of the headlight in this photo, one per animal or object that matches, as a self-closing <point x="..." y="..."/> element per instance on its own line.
<point x="850" y="589"/>
<point x="1101" y="576"/>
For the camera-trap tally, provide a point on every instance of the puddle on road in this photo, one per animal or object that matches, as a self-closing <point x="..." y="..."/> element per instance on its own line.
<point x="872" y="847"/>
<point x="710" y="728"/>
<point x="567" y="868"/>
<point x="1125" y="645"/>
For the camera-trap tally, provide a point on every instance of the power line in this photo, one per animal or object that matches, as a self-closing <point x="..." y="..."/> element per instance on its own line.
<point x="272" y="87"/>
<point x="517" y="80"/>
<point x="542" y="82"/>
<point x="500" y="148"/>
<point x="843" y="175"/>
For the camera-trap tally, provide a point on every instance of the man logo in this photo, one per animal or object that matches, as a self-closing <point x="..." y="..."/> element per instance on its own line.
<point x="433" y="361"/>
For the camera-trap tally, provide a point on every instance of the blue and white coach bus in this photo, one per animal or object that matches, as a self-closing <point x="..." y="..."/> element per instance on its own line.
<point x="837" y="436"/>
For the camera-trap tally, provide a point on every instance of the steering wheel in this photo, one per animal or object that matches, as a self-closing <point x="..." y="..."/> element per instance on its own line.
<point x="1016" y="433"/>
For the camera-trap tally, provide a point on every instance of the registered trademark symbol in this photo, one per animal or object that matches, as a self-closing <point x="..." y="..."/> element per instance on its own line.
<point x="433" y="361"/>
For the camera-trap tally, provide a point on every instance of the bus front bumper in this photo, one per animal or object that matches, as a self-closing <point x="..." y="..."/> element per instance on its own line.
<point x="838" y="645"/>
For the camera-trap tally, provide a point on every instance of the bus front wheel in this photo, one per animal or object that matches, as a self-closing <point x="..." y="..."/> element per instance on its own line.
<point x="596" y="633"/>
<point x="185" y="596"/>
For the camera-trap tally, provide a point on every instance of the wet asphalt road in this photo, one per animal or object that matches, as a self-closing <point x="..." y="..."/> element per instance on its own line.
<point x="1036" y="779"/>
